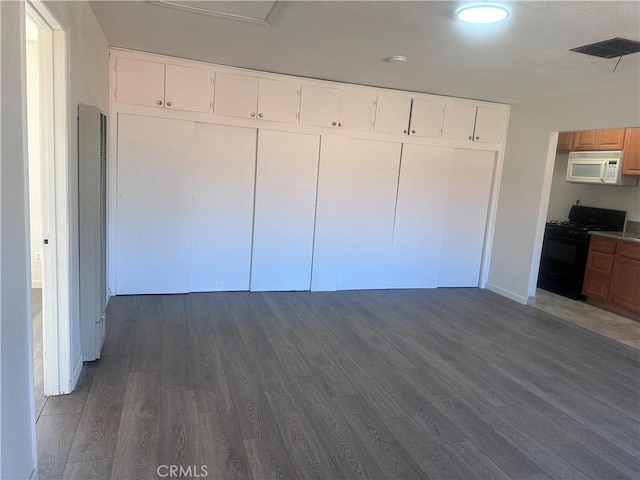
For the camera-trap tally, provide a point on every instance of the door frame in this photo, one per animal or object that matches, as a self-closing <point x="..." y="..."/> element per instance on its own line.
<point x="56" y="275"/>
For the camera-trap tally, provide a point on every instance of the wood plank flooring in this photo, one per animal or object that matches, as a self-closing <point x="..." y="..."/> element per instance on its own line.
<point x="441" y="384"/>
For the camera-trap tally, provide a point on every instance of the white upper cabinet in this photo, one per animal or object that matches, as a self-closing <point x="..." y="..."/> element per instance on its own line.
<point x="392" y="114"/>
<point x="332" y="107"/>
<point x="165" y="86"/>
<point x="188" y="88"/>
<point x="236" y="95"/>
<point x="459" y="121"/>
<point x="427" y="117"/>
<point x="253" y="97"/>
<point x="140" y="83"/>
<point x="490" y="125"/>
<point x="477" y="124"/>
<point x="278" y="101"/>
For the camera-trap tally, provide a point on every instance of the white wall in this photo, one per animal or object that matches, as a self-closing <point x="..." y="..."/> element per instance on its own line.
<point x="564" y="194"/>
<point x="17" y="418"/>
<point x="526" y="178"/>
<point x="33" y="124"/>
<point x="88" y="83"/>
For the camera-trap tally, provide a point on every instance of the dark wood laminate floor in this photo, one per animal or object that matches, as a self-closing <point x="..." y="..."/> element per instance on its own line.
<point x="442" y="384"/>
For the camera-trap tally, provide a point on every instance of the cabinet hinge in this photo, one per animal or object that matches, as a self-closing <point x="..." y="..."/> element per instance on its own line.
<point x="212" y="81"/>
<point x="298" y="92"/>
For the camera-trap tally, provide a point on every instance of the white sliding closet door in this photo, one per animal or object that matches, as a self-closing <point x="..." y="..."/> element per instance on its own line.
<point x="224" y="180"/>
<point x="286" y="183"/>
<point x="466" y="218"/>
<point x="423" y="190"/>
<point x="369" y="186"/>
<point x="155" y="180"/>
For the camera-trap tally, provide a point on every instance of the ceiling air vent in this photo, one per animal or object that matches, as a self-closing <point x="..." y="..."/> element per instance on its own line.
<point x="616" y="47"/>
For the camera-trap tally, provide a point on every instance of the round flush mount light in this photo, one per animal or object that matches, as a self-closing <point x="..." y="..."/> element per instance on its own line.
<point x="396" y="59"/>
<point x="483" y="13"/>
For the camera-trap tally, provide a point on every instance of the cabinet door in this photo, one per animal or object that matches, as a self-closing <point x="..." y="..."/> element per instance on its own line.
<point x="565" y="142"/>
<point x="426" y="118"/>
<point x="596" y="285"/>
<point x="392" y="114"/>
<point x="140" y="83"/>
<point x="286" y="181"/>
<point x="223" y="194"/>
<point x="585" y="140"/>
<point x="631" y="160"/>
<point x="459" y="121"/>
<point x="188" y="89"/>
<point x="611" y="139"/>
<point x="357" y="110"/>
<point x="466" y="218"/>
<point x="236" y="95"/>
<point x="154" y="205"/>
<point x="625" y="283"/>
<point x="278" y="101"/>
<point x="425" y="176"/>
<point x="319" y="106"/>
<point x="368" y="187"/>
<point x="490" y="125"/>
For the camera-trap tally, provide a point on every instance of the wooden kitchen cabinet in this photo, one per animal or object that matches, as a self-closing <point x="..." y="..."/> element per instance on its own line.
<point x="631" y="158"/>
<point x="565" y="142"/>
<point x="594" y="140"/>
<point x="253" y="97"/>
<point x="612" y="276"/>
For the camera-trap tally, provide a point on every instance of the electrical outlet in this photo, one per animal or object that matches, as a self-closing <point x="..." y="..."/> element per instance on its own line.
<point x="38" y="257"/>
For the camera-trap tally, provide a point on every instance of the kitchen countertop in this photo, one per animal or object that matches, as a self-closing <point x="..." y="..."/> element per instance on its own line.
<point x="624" y="236"/>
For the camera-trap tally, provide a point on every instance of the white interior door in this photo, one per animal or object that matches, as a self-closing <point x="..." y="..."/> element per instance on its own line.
<point x="188" y="88"/>
<point x="154" y="205"/>
<point x="369" y="183"/>
<point x="466" y="218"/>
<point x="427" y="117"/>
<point x="425" y="176"/>
<point x="459" y="121"/>
<point x="286" y="184"/>
<point x="319" y="106"/>
<point x="236" y="95"/>
<point x="223" y="193"/>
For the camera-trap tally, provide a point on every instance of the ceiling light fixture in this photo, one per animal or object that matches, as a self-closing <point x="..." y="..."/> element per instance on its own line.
<point x="482" y="13"/>
<point x="396" y="59"/>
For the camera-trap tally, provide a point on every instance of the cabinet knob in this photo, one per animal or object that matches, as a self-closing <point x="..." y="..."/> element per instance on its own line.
<point x="413" y="131"/>
<point x="471" y="137"/>
<point x="406" y="131"/>
<point x="253" y="114"/>
<point x="168" y="104"/>
<point x="339" y="124"/>
<point x="333" y="123"/>
<point x="260" y="115"/>
<point x="159" y="102"/>
<point x="477" y="138"/>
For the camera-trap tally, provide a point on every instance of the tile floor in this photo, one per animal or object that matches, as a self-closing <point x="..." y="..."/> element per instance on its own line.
<point x="592" y="318"/>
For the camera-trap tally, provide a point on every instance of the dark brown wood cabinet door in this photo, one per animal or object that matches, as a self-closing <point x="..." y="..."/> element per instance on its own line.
<point x="585" y="140"/>
<point x="565" y="142"/>
<point x="625" y="283"/>
<point x="631" y="160"/>
<point x="611" y="139"/>
<point x="596" y="286"/>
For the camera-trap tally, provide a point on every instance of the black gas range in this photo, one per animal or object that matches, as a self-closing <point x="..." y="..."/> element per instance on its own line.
<point x="566" y="246"/>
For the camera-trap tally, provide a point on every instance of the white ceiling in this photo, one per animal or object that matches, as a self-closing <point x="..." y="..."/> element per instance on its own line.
<point x="524" y="59"/>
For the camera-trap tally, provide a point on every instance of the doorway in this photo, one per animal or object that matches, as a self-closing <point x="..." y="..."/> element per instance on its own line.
<point x="48" y="201"/>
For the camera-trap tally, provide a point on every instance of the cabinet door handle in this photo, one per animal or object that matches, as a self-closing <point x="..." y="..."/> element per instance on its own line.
<point x="159" y="102"/>
<point x="413" y="131"/>
<point x="339" y="124"/>
<point x="168" y="104"/>
<point x="406" y="131"/>
<point x="333" y="123"/>
<point x="477" y="138"/>
<point x="253" y="114"/>
<point x="471" y="137"/>
<point x="260" y="115"/>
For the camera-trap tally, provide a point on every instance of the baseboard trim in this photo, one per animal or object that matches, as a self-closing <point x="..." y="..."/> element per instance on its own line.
<point x="510" y="295"/>
<point x="34" y="475"/>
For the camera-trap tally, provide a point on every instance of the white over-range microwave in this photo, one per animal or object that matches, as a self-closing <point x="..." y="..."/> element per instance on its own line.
<point x="601" y="168"/>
